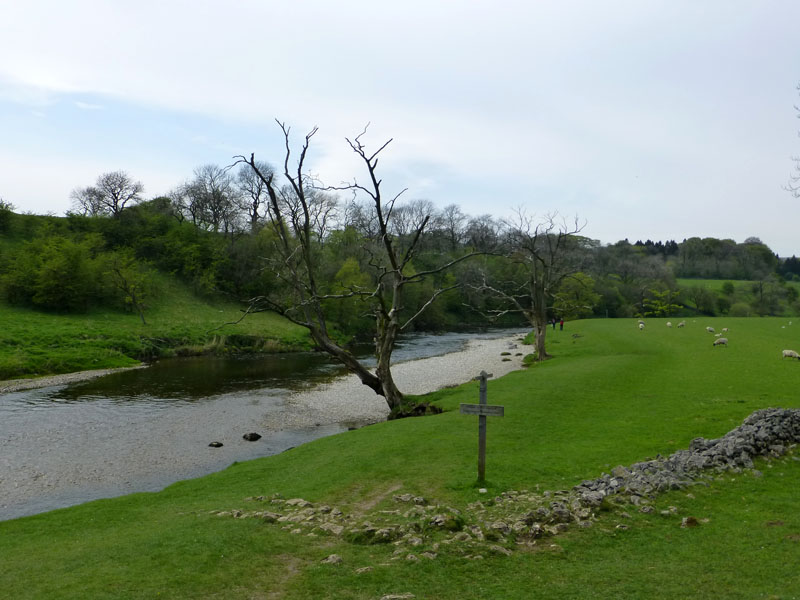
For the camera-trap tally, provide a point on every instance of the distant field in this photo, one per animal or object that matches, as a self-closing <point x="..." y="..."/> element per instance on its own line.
<point x="40" y="343"/>
<point x="612" y="395"/>
<point x="711" y="284"/>
<point x="716" y="284"/>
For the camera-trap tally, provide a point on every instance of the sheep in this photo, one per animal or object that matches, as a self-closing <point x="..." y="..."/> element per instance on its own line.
<point x="790" y="354"/>
<point x="641" y="326"/>
<point x="721" y="342"/>
<point x="682" y="324"/>
<point x="710" y="329"/>
<point x="724" y="330"/>
<point x="669" y="323"/>
<point x="641" y="322"/>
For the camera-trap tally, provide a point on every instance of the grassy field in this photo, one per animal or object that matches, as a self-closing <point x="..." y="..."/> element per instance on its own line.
<point x="612" y="395"/>
<point x="41" y="343"/>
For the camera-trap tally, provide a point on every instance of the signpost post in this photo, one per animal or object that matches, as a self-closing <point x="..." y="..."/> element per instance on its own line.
<point x="483" y="410"/>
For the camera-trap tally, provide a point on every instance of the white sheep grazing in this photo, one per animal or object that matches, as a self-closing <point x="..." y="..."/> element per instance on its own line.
<point x="682" y="324"/>
<point x="790" y="354"/>
<point x="710" y="329"/>
<point x="669" y="324"/>
<point x="721" y="342"/>
<point x="724" y="330"/>
<point x="641" y="325"/>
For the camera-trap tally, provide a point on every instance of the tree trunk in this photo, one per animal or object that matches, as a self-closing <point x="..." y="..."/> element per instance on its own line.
<point x="540" y="330"/>
<point x="387" y="331"/>
<point x="349" y="361"/>
<point x="539" y="314"/>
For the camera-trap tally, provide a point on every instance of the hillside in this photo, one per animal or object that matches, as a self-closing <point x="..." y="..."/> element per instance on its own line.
<point x="35" y="342"/>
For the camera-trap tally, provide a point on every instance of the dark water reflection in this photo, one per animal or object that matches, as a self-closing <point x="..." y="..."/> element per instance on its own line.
<point x="195" y="378"/>
<point x="199" y="378"/>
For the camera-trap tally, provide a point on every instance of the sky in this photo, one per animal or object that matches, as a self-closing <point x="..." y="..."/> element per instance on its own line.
<point x="645" y="119"/>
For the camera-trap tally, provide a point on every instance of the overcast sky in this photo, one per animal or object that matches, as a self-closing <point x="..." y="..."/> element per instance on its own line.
<point x="646" y="119"/>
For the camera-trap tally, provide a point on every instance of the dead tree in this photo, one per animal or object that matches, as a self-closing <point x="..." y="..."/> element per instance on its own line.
<point x="544" y="253"/>
<point x="298" y="216"/>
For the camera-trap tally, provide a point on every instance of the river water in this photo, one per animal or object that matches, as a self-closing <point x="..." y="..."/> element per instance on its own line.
<point x="143" y="429"/>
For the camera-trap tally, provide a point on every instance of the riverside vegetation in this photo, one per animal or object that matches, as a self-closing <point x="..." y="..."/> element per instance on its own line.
<point x="612" y="396"/>
<point x="158" y="278"/>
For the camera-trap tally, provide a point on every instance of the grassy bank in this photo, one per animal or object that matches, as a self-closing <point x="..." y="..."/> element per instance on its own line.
<point x="612" y="395"/>
<point x="41" y="343"/>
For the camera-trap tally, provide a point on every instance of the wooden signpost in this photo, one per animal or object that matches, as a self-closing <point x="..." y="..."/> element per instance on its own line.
<point x="483" y="410"/>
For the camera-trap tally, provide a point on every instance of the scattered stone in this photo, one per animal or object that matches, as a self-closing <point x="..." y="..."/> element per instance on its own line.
<point x="333" y="559"/>
<point x="363" y="570"/>
<point x="332" y="528"/>
<point x="500" y="550"/>
<point x="215" y="445"/>
<point x="251" y="437"/>
<point x="407" y="596"/>
<point x="429" y="555"/>
<point x="270" y="517"/>
<point x="298" y="502"/>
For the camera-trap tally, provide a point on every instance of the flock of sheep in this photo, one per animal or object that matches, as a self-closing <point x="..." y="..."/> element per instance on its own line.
<point x="723" y="341"/>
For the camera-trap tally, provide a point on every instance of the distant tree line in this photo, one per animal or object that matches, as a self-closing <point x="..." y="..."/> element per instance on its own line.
<point x="213" y="233"/>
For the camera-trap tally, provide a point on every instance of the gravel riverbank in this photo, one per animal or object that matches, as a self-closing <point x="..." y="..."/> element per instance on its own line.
<point x="92" y="451"/>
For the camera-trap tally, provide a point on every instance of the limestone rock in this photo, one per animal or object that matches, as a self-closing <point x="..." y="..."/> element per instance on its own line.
<point x="333" y="559"/>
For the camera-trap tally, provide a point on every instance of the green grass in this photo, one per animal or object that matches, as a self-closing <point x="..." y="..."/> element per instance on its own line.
<point x="615" y="395"/>
<point x="713" y="284"/>
<point x="41" y="343"/>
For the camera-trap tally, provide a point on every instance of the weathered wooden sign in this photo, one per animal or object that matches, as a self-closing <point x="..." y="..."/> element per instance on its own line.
<point x="483" y="410"/>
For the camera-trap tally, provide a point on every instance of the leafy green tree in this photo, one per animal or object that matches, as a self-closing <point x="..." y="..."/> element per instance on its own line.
<point x="131" y="278"/>
<point x="349" y="310"/>
<point x="576" y="297"/>
<point x="55" y="272"/>
<point x="6" y="213"/>
<point x="704" y="299"/>
<point x="661" y="303"/>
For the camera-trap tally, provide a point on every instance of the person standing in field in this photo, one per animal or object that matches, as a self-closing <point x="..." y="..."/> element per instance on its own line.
<point x="561" y="323"/>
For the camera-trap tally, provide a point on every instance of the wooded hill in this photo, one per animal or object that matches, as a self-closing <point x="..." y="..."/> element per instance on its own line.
<point x="75" y="263"/>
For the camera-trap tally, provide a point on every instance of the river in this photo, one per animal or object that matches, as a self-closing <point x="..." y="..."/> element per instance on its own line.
<point x="143" y="429"/>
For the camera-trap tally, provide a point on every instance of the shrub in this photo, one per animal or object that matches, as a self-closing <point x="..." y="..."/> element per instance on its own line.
<point x="740" y="309"/>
